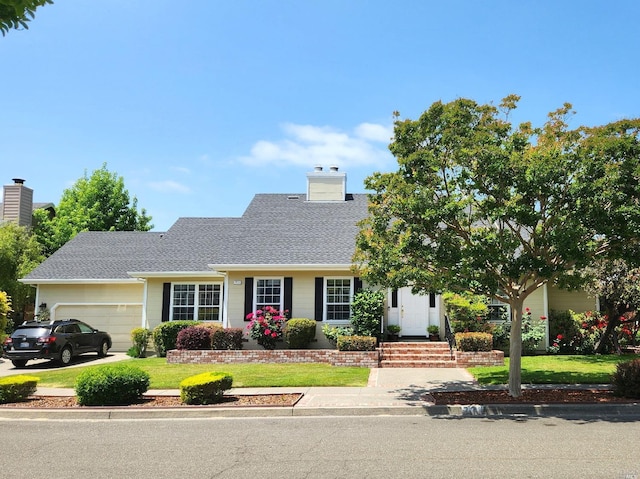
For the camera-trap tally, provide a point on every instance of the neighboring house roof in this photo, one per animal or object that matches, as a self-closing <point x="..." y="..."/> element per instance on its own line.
<point x="277" y="230"/>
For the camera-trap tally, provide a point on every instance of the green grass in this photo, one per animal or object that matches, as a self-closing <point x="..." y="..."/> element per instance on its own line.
<point x="168" y="376"/>
<point x="555" y="370"/>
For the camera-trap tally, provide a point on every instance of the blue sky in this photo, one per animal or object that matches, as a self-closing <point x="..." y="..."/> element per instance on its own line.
<point x="201" y="104"/>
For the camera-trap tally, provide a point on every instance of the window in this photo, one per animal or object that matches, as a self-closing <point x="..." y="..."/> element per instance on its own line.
<point x="268" y="293"/>
<point x="339" y="292"/>
<point x="498" y="311"/>
<point x="196" y="301"/>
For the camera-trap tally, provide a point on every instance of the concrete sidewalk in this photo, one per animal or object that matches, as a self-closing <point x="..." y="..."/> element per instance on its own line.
<point x="390" y="391"/>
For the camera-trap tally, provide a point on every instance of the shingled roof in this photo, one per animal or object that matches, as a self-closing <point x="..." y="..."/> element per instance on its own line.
<point x="276" y="229"/>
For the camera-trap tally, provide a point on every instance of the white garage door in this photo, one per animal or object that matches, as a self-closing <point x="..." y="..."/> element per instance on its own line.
<point x="117" y="320"/>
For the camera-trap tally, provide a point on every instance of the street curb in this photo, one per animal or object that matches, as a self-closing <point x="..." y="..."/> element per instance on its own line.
<point x="608" y="411"/>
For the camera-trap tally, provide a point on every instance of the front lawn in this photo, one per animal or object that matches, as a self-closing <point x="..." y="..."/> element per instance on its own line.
<point x="168" y="376"/>
<point x="555" y="370"/>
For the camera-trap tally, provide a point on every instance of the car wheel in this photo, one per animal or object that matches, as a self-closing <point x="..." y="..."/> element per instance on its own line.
<point x="104" y="347"/>
<point x="19" y="363"/>
<point x="65" y="355"/>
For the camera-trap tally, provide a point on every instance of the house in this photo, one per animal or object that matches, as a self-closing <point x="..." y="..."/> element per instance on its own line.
<point x="291" y="251"/>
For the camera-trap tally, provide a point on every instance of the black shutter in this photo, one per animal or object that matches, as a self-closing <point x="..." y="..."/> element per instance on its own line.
<point x="248" y="297"/>
<point x="288" y="296"/>
<point x="394" y="298"/>
<point x="357" y="284"/>
<point x="166" y="301"/>
<point x="432" y="300"/>
<point x="319" y="298"/>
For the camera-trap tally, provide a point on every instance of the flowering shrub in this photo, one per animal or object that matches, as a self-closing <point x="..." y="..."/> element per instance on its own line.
<point x="533" y="332"/>
<point x="575" y="333"/>
<point x="266" y="326"/>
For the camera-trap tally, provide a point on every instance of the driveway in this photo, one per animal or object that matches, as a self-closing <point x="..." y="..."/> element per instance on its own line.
<point x="39" y="365"/>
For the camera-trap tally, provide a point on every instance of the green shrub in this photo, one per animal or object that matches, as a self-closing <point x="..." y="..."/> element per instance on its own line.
<point x="17" y="388"/>
<point x="205" y="388"/>
<point x="194" y="338"/>
<point x="467" y="312"/>
<point x="474" y="341"/>
<point x="299" y="332"/>
<point x="626" y="379"/>
<point x="165" y="335"/>
<point x="110" y="385"/>
<point x="227" y="338"/>
<point x="367" y="310"/>
<point x="332" y="333"/>
<point x="140" y="338"/>
<point x="357" y="343"/>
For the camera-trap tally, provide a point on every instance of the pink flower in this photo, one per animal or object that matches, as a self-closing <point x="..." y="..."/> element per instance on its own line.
<point x="274" y="335"/>
<point x="267" y="332"/>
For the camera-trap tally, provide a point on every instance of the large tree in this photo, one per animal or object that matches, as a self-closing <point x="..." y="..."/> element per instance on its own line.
<point x="17" y="13"/>
<point x="99" y="202"/>
<point x="19" y="254"/>
<point x="478" y="204"/>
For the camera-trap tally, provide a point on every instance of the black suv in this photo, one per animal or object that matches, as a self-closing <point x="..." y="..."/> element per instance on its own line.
<point x="60" y="340"/>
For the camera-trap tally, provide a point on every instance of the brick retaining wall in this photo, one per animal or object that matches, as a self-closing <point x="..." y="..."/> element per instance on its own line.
<point x="367" y="359"/>
<point x="481" y="358"/>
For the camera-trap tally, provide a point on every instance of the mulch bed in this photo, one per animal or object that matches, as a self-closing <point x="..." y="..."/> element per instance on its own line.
<point x="248" y="400"/>
<point x="529" y="396"/>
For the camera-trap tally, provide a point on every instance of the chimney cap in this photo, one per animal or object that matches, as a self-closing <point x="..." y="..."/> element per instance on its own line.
<point x="18" y="181"/>
<point x="317" y="168"/>
<point x="333" y="167"/>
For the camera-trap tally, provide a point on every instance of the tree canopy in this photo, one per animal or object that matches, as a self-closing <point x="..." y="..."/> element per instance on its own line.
<point x="99" y="202"/>
<point x="478" y="204"/>
<point x="19" y="254"/>
<point x="17" y="13"/>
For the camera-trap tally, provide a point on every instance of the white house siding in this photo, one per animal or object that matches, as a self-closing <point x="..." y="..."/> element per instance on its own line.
<point x="115" y="308"/>
<point x="562" y="300"/>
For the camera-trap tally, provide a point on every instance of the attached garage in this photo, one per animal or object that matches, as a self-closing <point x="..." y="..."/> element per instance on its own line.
<point x="116" y="319"/>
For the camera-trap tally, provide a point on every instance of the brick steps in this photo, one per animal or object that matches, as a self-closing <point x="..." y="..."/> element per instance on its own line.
<point x="416" y="355"/>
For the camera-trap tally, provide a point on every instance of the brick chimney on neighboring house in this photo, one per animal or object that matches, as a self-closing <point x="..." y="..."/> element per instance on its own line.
<point x="17" y="203"/>
<point x="326" y="185"/>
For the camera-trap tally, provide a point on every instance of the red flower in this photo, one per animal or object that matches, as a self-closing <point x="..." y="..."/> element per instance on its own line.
<point x="267" y="332"/>
<point x="527" y="310"/>
<point x="560" y="336"/>
<point x="542" y="318"/>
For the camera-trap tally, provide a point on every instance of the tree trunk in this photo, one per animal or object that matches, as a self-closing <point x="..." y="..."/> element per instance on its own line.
<point x="515" y="349"/>
<point x="613" y="319"/>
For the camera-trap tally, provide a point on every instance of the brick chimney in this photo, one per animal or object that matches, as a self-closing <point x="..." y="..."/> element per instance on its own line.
<point x="326" y="185"/>
<point x="17" y="203"/>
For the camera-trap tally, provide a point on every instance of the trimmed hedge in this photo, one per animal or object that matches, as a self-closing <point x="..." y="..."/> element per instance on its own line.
<point x="357" y="343"/>
<point x="194" y="338"/>
<point x="299" y="332"/>
<point x="474" y="341"/>
<point x="626" y="379"/>
<point x="111" y="385"/>
<point x="17" y="388"/>
<point x="140" y="339"/>
<point x="205" y="388"/>
<point x="165" y="335"/>
<point x="228" y="338"/>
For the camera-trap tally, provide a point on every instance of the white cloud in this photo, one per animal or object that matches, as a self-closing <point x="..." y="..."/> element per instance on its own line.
<point x="308" y="145"/>
<point x="181" y="169"/>
<point x="169" y="186"/>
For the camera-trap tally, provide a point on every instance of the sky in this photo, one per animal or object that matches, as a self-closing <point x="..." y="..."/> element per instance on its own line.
<point x="200" y="105"/>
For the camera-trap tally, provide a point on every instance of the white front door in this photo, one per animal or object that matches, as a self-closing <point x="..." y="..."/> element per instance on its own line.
<point x="417" y="312"/>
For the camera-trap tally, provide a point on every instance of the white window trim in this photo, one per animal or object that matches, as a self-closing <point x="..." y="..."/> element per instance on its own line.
<point x="255" y="290"/>
<point x="325" y="303"/>
<point x="196" y="305"/>
<point x="497" y="302"/>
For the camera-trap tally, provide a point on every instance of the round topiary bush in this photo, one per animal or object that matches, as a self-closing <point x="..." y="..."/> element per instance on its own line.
<point x="111" y="385"/>
<point x="194" y="338"/>
<point x="626" y="379"/>
<point x="299" y="332"/>
<point x="165" y="335"/>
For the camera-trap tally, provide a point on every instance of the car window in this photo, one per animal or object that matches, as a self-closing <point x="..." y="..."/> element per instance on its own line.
<point x="72" y="328"/>
<point x="31" y="332"/>
<point x="85" y="328"/>
<point x="60" y="329"/>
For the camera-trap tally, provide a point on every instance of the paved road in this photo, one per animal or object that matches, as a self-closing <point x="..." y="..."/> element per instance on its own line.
<point x="322" y="447"/>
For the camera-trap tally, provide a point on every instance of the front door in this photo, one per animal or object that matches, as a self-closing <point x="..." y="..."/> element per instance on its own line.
<point x="416" y="312"/>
